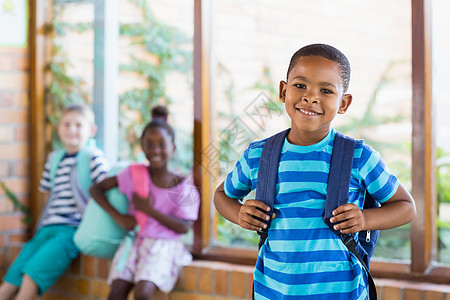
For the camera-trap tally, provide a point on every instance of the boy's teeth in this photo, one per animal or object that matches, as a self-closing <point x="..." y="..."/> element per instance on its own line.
<point x="308" y="113"/>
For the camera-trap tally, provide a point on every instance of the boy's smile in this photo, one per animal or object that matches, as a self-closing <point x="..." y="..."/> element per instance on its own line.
<point x="313" y="95"/>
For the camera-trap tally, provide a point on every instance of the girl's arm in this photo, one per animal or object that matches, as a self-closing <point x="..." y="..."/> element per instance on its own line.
<point x="145" y="205"/>
<point x="241" y="214"/>
<point x="397" y="211"/>
<point x="97" y="192"/>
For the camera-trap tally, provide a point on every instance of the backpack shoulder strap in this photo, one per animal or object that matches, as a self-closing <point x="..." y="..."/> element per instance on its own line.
<point x="141" y="185"/>
<point x="83" y="169"/>
<point x="337" y="194"/>
<point x="268" y="174"/>
<point x="339" y="175"/>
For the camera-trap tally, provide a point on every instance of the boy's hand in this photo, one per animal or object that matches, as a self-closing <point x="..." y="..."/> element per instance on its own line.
<point x="249" y="210"/>
<point x="351" y="216"/>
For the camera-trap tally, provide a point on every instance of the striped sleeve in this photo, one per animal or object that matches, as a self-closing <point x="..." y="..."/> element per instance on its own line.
<point x="45" y="185"/>
<point x="379" y="182"/>
<point x="99" y="166"/>
<point x="241" y="181"/>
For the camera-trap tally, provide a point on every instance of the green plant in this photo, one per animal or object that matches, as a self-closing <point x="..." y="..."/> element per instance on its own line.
<point x="27" y="219"/>
<point x="167" y="45"/>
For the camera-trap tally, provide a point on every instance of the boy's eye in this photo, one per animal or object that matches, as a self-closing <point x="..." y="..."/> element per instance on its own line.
<point x="300" y="85"/>
<point x="327" y="91"/>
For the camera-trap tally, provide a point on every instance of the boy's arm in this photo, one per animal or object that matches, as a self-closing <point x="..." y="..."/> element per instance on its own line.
<point x="400" y="209"/>
<point x="97" y="192"/>
<point x="241" y="214"/>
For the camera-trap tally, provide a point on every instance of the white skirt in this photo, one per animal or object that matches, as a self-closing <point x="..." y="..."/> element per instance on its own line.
<point x="155" y="260"/>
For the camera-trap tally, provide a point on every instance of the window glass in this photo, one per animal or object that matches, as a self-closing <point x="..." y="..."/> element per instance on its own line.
<point x="70" y="70"/>
<point x="252" y="43"/>
<point x="155" y="58"/>
<point x="441" y="96"/>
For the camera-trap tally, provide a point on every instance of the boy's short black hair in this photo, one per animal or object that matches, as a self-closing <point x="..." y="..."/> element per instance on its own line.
<point x="328" y="52"/>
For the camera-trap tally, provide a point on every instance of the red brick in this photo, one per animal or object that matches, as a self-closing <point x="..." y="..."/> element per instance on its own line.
<point x="20" y="63"/>
<point x="75" y="267"/>
<point x="18" y="238"/>
<point x="13" y="116"/>
<point x="103" y="266"/>
<point x="6" y="133"/>
<point x="391" y="293"/>
<point x="14" y="81"/>
<point x="6" y="98"/>
<point x="250" y="284"/>
<point x="74" y="285"/>
<point x="221" y="282"/>
<point x="11" y="222"/>
<point x="17" y="186"/>
<point x="8" y="51"/>
<point x="21" y="99"/>
<point x="2" y="241"/>
<point x="238" y="284"/>
<point x="13" y="152"/>
<point x="21" y="168"/>
<point x="21" y="133"/>
<point x="5" y="169"/>
<point x="3" y="261"/>
<point x="190" y="278"/>
<point x="413" y="294"/>
<point x="6" y="206"/>
<point x="13" y="252"/>
<point x="433" y="295"/>
<point x="89" y="263"/>
<point x="205" y="280"/>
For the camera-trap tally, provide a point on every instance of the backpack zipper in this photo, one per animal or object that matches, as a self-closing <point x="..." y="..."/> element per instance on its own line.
<point x="368" y="236"/>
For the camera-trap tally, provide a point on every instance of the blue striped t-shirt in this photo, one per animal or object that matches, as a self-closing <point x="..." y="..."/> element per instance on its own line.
<point x="302" y="258"/>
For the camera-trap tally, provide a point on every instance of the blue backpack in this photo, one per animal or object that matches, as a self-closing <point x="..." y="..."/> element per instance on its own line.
<point x="337" y="194"/>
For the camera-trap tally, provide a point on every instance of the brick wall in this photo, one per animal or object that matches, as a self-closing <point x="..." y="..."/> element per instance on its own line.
<point x="14" y="158"/>
<point x="206" y="280"/>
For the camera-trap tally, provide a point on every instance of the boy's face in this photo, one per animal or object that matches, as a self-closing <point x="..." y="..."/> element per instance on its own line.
<point x="313" y="95"/>
<point x="157" y="146"/>
<point x="75" y="130"/>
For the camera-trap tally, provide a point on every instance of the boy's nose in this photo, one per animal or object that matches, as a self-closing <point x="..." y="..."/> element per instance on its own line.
<point x="311" y="99"/>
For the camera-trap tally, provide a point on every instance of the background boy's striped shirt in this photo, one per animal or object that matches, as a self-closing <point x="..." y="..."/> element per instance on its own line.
<point x="63" y="209"/>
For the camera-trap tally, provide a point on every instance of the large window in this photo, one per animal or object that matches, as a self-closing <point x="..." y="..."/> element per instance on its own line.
<point x="441" y="96"/>
<point x="251" y="47"/>
<point x="228" y="97"/>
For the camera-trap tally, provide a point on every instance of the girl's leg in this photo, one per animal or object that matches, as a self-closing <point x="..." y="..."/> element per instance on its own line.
<point x="144" y="290"/>
<point x="7" y="291"/>
<point x="28" y="290"/>
<point x="119" y="289"/>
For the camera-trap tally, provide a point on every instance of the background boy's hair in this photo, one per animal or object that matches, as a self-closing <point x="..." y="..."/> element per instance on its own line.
<point x="83" y="109"/>
<point x="160" y="115"/>
<point x="328" y="52"/>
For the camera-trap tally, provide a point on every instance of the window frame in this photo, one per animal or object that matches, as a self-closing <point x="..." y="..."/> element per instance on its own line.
<point x="423" y="264"/>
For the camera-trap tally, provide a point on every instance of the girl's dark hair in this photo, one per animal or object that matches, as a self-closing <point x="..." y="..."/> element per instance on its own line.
<point x="328" y="52"/>
<point x="160" y="115"/>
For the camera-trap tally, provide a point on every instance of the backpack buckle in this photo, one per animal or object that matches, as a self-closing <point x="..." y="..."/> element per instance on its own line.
<point x="348" y="240"/>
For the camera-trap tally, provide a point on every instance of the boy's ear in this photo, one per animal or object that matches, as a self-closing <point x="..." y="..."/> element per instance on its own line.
<point x="94" y="129"/>
<point x="345" y="103"/>
<point x="282" y="91"/>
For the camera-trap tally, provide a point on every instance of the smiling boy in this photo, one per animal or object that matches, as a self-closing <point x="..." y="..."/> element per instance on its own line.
<point x="301" y="257"/>
<point x="50" y="252"/>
